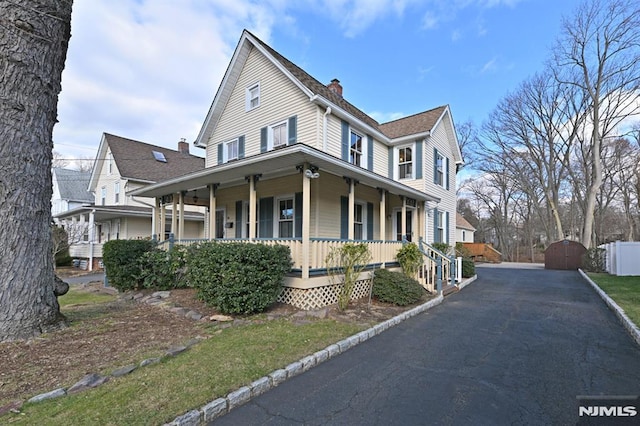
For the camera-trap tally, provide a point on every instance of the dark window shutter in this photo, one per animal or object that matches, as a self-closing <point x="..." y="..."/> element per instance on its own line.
<point x="220" y="148"/>
<point x="293" y="129"/>
<point x="369" y="221"/>
<point x="345" y="140"/>
<point x="446" y="227"/>
<point x="436" y="237"/>
<point x="390" y="162"/>
<point x="239" y="225"/>
<point x="418" y="159"/>
<point x="263" y="139"/>
<point x="241" y="147"/>
<point x="344" y="217"/>
<point x="369" y="153"/>
<point x="435" y="166"/>
<point x="297" y="214"/>
<point x="446" y="174"/>
<point x="266" y="218"/>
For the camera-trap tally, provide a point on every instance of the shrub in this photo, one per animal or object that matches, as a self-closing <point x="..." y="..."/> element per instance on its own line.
<point x="121" y="260"/>
<point x="163" y="270"/>
<point x="410" y="259"/>
<point x="396" y="288"/>
<point x="442" y="247"/>
<point x="344" y="265"/>
<point x="238" y="278"/>
<point x="594" y="260"/>
<point x="468" y="267"/>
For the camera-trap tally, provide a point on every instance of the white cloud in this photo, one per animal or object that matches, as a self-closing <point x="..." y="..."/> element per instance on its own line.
<point x="490" y="66"/>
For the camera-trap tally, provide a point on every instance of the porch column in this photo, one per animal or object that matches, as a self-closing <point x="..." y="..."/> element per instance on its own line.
<point x="252" y="208"/>
<point x="212" y="212"/>
<point x="181" y="222"/>
<point x="92" y="237"/>
<point x="163" y="220"/>
<point x="155" y="219"/>
<point x="174" y="216"/>
<point x="383" y="214"/>
<point x="306" y="223"/>
<point x="403" y="219"/>
<point x="352" y="209"/>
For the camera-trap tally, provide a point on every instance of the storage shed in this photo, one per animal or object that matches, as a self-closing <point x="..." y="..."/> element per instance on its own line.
<point x="564" y="254"/>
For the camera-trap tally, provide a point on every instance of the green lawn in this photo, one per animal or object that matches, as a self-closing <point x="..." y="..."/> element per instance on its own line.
<point x="625" y="291"/>
<point x="78" y="296"/>
<point x="156" y="394"/>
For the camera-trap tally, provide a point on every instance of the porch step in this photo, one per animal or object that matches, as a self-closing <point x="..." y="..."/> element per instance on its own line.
<point x="449" y="289"/>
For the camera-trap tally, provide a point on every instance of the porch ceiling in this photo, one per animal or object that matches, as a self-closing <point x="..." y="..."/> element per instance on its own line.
<point x="272" y="164"/>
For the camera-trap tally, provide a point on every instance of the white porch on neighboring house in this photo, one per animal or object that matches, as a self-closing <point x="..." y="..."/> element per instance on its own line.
<point x="305" y="199"/>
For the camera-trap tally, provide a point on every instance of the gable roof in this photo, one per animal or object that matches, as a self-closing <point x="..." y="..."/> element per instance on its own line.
<point x="73" y="184"/>
<point x="417" y="124"/>
<point x="136" y="160"/>
<point x="462" y="223"/>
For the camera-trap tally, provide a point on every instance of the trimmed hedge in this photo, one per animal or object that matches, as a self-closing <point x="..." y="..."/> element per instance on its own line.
<point x="468" y="267"/>
<point x="396" y="288"/>
<point x="121" y="260"/>
<point x="163" y="270"/>
<point x="594" y="260"/>
<point x="238" y="278"/>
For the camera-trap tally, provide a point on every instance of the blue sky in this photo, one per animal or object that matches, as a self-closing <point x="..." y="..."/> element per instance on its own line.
<point x="149" y="69"/>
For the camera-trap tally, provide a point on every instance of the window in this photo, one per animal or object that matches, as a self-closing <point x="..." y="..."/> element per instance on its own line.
<point x="285" y="218"/>
<point x="252" y="97"/>
<point x="231" y="150"/>
<point x="355" y="149"/>
<point x="159" y="156"/>
<point x="405" y="163"/>
<point x="439" y="175"/>
<point x="440" y="237"/>
<point x="110" y="162"/>
<point x="279" y="135"/>
<point x="358" y="223"/>
<point x="116" y="191"/>
<point x="103" y="195"/>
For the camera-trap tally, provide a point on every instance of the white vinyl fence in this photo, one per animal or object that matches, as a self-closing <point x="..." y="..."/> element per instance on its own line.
<point x="622" y="257"/>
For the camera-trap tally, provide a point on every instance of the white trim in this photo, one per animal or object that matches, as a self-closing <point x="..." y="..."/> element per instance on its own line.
<point x="396" y="161"/>
<point x="248" y="98"/>
<point x="395" y="224"/>
<point x="225" y="151"/>
<point x="270" y="133"/>
<point x="276" y="215"/>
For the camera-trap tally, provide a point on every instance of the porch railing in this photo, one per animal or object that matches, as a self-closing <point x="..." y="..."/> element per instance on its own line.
<point x="438" y="269"/>
<point x="382" y="252"/>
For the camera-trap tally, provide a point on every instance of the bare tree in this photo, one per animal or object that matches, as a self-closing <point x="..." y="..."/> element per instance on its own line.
<point x="58" y="162"/>
<point x="599" y="54"/>
<point x="34" y="36"/>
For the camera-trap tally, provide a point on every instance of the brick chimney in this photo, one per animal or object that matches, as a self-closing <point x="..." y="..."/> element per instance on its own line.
<point x="335" y="87"/>
<point x="183" y="146"/>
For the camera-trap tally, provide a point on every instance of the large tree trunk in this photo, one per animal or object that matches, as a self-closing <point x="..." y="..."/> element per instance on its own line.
<point x="34" y="36"/>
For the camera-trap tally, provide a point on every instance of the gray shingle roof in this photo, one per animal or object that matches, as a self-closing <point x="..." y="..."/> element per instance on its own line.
<point x="73" y="185"/>
<point x="135" y="160"/>
<point x="413" y="124"/>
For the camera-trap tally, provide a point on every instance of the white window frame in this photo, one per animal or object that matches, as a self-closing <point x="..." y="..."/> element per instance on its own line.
<point x="103" y="196"/>
<point x="225" y="150"/>
<point x="363" y="149"/>
<point x="278" y="220"/>
<point x="440" y="161"/>
<point x="252" y="93"/>
<point x="109" y="163"/>
<point x="441" y="227"/>
<point x="116" y="192"/>
<point x="271" y="138"/>
<point x="362" y="222"/>
<point x="398" y="164"/>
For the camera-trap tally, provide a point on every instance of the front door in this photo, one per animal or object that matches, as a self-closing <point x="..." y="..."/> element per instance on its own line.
<point x="219" y="223"/>
<point x="409" y="225"/>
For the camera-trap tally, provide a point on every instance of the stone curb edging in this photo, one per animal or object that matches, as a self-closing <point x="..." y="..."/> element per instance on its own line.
<point x="467" y="282"/>
<point x="221" y="406"/>
<point x="633" y="330"/>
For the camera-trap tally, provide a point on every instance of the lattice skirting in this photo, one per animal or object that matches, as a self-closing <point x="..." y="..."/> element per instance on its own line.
<point x="319" y="297"/>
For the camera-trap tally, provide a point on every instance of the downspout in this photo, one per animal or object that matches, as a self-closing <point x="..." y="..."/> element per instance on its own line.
<point x="324" y="129"/>
<point x="92" y="233"/>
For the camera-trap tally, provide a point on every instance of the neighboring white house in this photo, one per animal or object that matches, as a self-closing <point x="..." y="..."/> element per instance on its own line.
<point x="70" y="190"/>
<point x="465" y="232"/>
<point x="290" y="161"/>
<point x="122" y="165"/>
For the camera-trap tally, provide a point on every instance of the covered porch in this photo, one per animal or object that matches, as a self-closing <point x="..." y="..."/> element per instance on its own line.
<point x="302" y="198"/>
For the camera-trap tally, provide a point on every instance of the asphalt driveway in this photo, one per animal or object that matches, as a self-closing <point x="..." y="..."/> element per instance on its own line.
<point x="515" y="347"/>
